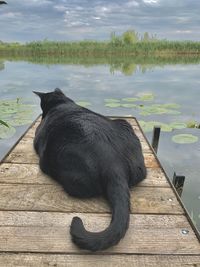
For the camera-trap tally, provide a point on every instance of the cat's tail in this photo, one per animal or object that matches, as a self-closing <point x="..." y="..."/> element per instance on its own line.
<point x="119" y="199"/>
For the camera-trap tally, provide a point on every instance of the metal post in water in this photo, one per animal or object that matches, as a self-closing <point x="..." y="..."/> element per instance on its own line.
<point x="178" y="182"/>
<point x="155" y="138"/>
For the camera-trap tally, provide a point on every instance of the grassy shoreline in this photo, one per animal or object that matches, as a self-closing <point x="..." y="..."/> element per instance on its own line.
<point x="109" y="48"/>
<point x="126" y="53"/>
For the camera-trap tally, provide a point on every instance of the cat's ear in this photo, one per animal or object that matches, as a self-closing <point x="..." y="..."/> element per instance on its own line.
<point x="57" y="90"/>
<point x="39" y="94"/>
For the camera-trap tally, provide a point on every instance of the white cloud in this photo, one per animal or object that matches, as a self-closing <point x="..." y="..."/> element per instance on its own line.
<point x="182" y="19"/>
<point x="76" y="23"/>
<point x="10" y="15"/>
<point x="103" y="10"/>
<point x="60" y="8"/>
<point x="38" y="2"/>
<point x="97" y="18"/>
<point x="79" y="8"/>
<point x="36" y="19"/>
<point x="184" y="31"/>
<point x="151" y="1"/>
<point x="132" y="4"/>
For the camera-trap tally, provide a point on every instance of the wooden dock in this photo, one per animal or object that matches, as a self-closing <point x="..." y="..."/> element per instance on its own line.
<point x="35" y="216"/>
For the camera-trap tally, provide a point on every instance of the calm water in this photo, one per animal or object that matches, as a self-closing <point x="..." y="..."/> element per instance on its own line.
<point x="170" y="84"/>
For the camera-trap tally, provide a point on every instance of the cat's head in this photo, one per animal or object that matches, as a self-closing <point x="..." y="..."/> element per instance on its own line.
<point x="52" y="99"/>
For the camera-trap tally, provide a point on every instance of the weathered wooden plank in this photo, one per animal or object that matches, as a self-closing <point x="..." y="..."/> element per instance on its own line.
<point x="151" y="161"/>
<point x="30" y="173"/>
<point x="49" y="232"/>
<point x="14" y="173"/>
<point x="23" y="153"/>
<point x="155" y="177"/>
<point x="58" y="260"/>
<point x="53" y="198"/>
<point x="31" y="132"/>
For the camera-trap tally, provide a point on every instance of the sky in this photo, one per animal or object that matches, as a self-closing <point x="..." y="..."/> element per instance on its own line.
<point x="28" y="20"/>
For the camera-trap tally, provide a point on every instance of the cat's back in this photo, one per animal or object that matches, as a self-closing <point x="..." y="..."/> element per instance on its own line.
<point x="67" y="124"/>
<point x="73" y="121"/>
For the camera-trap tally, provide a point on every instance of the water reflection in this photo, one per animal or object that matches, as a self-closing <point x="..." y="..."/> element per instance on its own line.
<point x="1" y="65"/>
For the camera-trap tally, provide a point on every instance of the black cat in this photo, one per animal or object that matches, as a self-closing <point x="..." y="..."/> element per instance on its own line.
<point x="89" y="155"/>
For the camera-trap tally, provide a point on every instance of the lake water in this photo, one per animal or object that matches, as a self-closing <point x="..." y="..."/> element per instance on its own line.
<point x="178" y="84"/>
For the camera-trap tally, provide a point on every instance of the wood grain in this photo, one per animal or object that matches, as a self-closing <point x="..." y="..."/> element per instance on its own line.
<point x="35" y="216"/>
<point x="49" y="232"/>
<point x="30" y="173"/>
<point x="58" y="260"/>
<point x="53" y="198"/>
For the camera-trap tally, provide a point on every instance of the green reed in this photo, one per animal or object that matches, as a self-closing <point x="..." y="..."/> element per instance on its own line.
<point x="126" y="53"/>
<point x="117" y="46"/>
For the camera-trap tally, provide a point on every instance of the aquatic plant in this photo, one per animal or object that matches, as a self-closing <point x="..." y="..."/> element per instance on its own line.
<point x="146" y="96"/>
<point x="128" y="105"/>
<point x="130" y="99"/>
<point x="3" y="123"/>
<point x="193" y="124"/>
<point x="112" y="100"/>
<point x="14" y="113"/>
<point x="178" y="125"/>
<point x="147" y="126"/>
<point x="112" y="105"/>
<point x="157" y="109"/>
<point x="184" y="139"/>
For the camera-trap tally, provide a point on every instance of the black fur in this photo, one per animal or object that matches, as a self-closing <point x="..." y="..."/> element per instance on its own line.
<point x="89" y="155"/>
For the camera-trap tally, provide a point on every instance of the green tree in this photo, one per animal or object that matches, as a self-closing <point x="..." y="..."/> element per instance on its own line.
<point x="130" y="37"/>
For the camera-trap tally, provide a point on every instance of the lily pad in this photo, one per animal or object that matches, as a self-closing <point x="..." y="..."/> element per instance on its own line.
<point x="83" y="103"/>
<point x="128" y="105"/>
<point x="168" y="106"/>
<point x="156" y="109"/>
<point x="146" y="96"/>
<point x="112" y="105"/>
<point x="15" y="113"/>
<point x="19" y="122"/>
<point x="8" y="107"/>
<point x="130" y="99"/>
<point x="172" y="112"/>
<point x="178" y="125"/>
<point x="166" y="127"/>
<point x="147" y="126"/>
<point x="184" y="138"/>
<point x="111" y="100"/>
<point x="6" y="132"/>
<point x="172" y="106"/>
